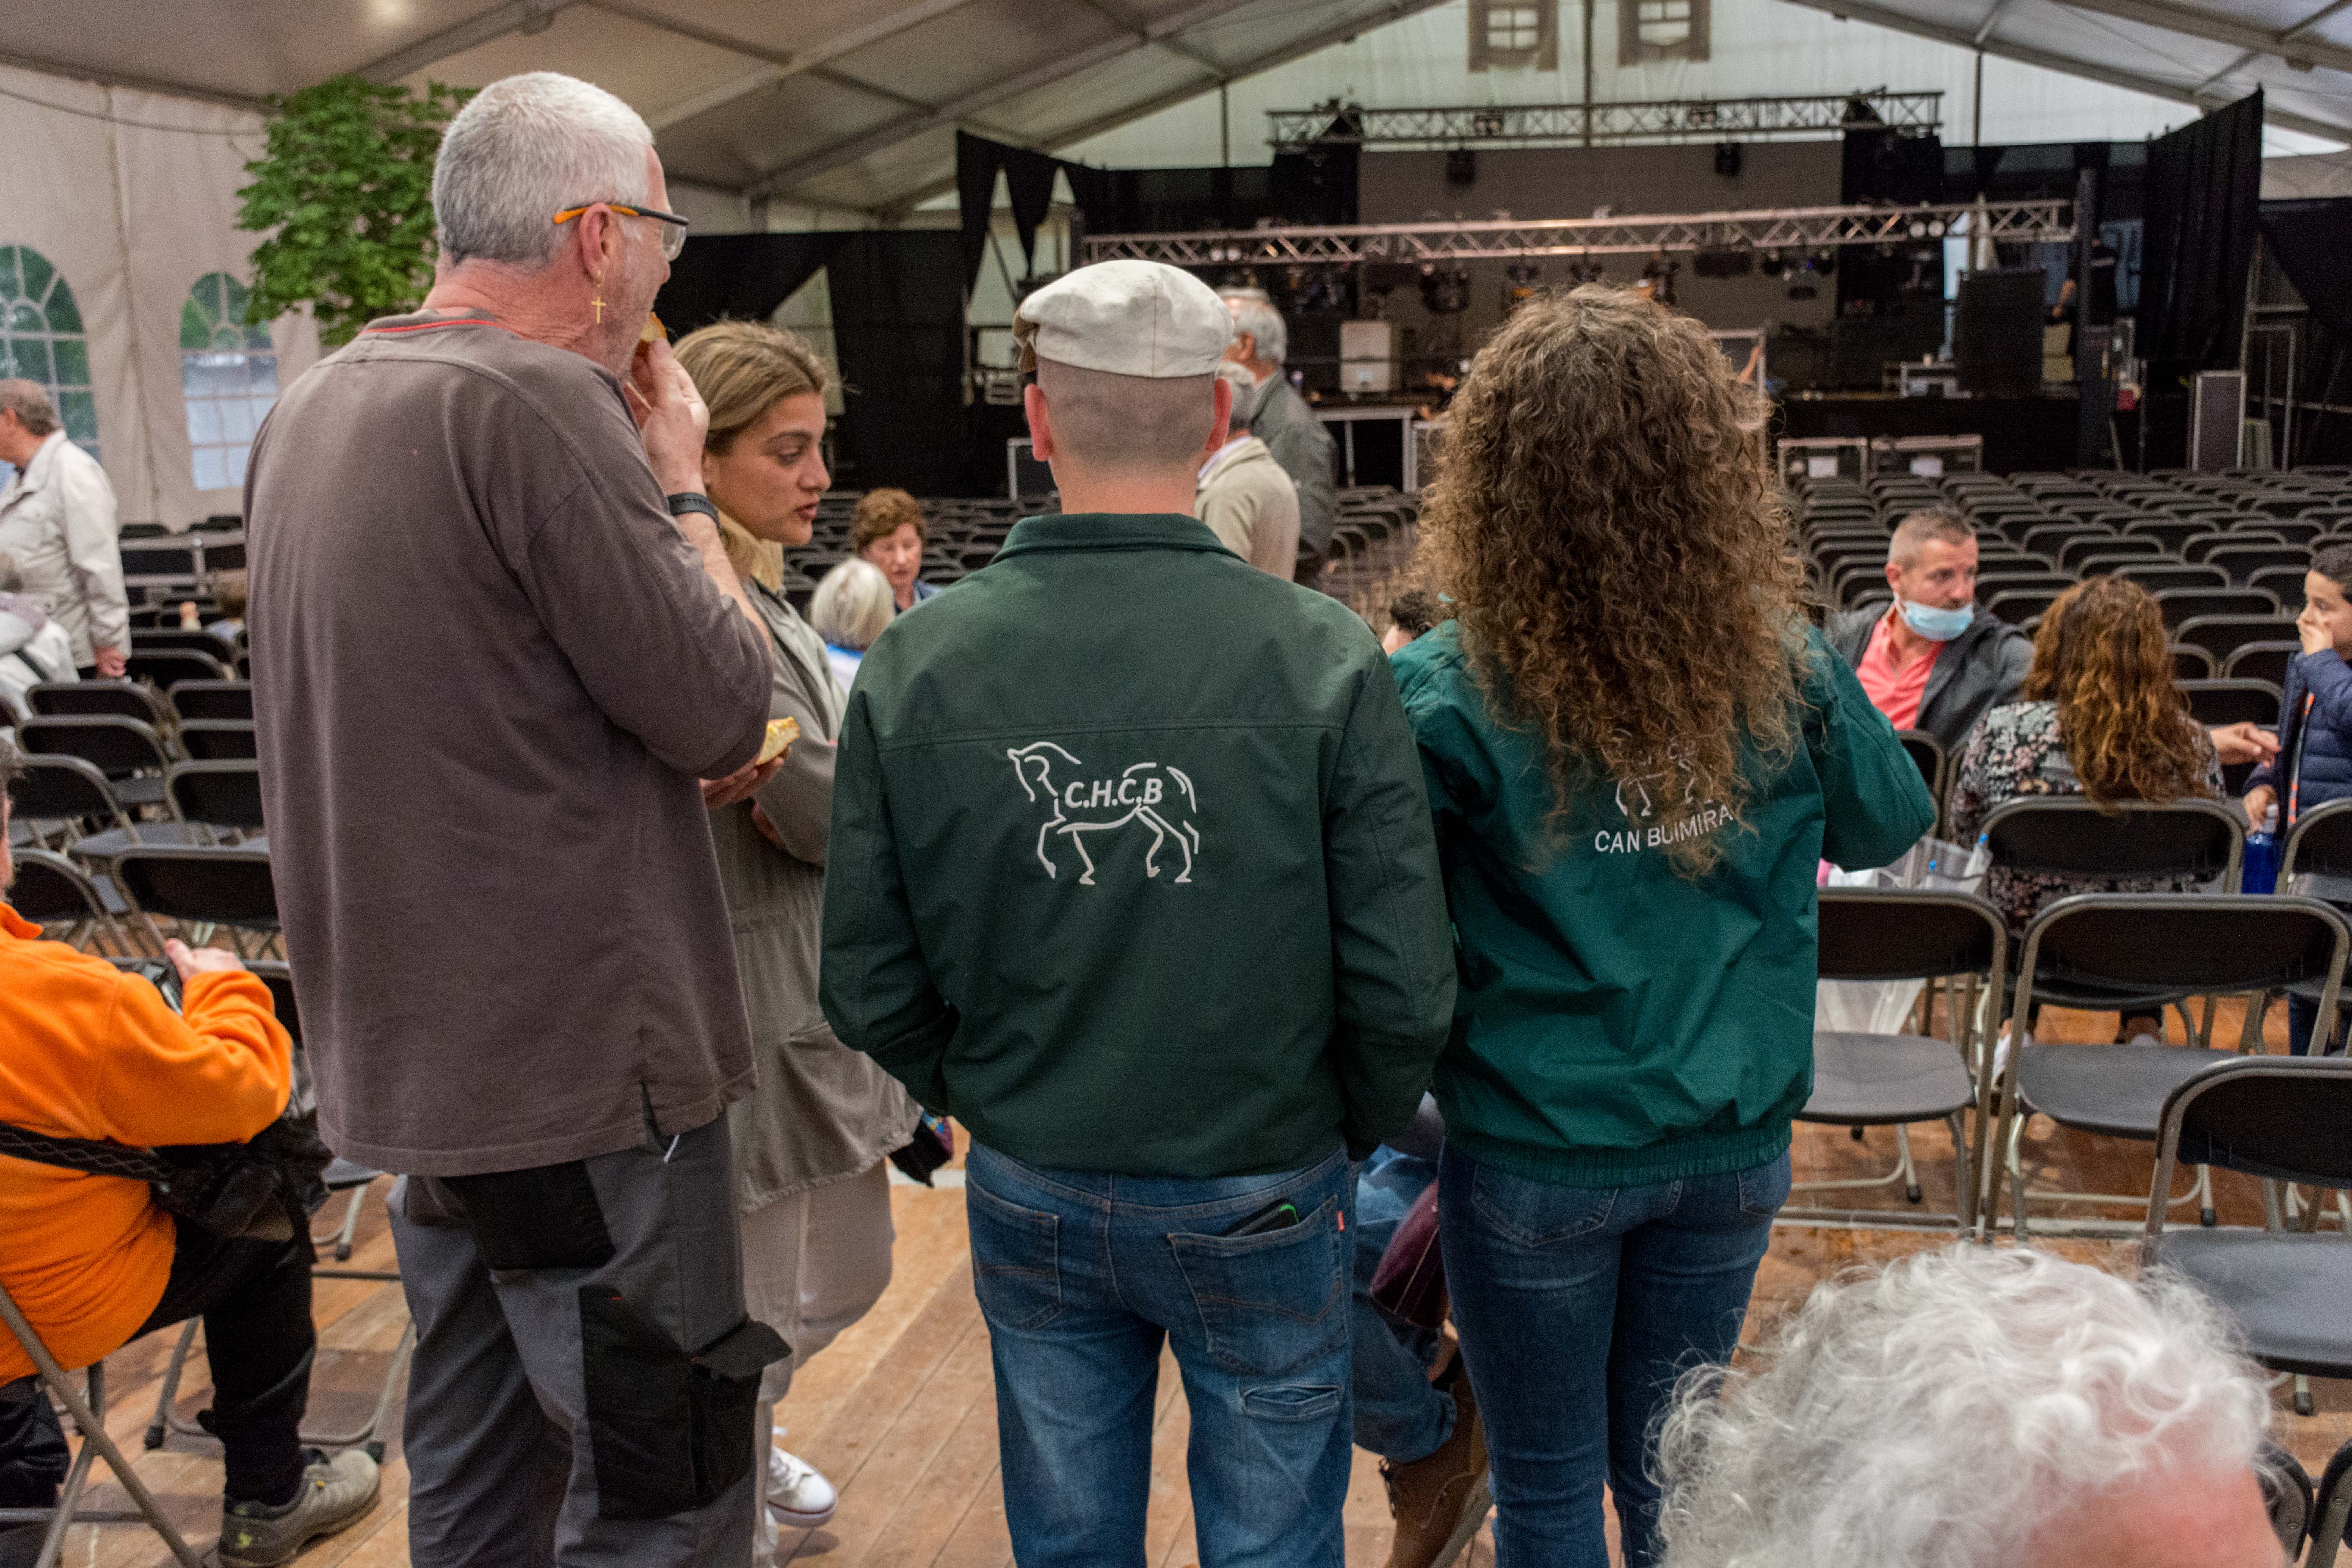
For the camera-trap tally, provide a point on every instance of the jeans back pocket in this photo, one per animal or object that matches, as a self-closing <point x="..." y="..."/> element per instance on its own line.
<point x="1016" y="1268"/>
<point x="1272" y="1302"/>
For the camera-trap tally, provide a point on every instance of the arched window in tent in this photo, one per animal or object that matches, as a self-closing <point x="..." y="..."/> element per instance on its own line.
<point x="41" y="340"/>
<point x="228" y="379"/>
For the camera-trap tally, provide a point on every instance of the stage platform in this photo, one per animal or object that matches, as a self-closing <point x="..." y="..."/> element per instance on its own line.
<point x="2021" y="434"/>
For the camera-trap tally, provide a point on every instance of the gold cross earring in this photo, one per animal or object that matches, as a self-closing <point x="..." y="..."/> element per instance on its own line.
<point x="598" y="284"/>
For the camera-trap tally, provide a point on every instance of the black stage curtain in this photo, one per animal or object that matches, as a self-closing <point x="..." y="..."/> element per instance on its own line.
<point x="2313" y="243"/>
<point x="898" y="327"/>
<point x="1028" y="180"/>
<point x="2202" y="192"/>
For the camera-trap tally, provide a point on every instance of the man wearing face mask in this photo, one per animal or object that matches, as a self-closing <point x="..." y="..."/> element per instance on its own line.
<point x="1929" y="661"/>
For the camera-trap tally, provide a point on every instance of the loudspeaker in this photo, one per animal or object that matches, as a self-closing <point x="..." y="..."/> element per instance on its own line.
<point x="1996" y="331"/>
<point x="1726" y="159"/>
<point x="1461" y="167"/>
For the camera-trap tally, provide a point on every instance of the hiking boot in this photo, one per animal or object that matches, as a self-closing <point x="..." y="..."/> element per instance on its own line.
<point x="1440" y="1501"/>
<point x="335" y="1493"/>
<point x="798" y="1497"/>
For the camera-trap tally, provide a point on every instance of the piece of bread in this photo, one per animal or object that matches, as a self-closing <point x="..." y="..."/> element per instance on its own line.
<point x="781" y="734"/>
<point x="653" y="331"/>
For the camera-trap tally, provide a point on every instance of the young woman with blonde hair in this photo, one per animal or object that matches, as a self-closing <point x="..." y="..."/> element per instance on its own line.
<point x="813" y="1192"/>
<point x="1638" y="751"/>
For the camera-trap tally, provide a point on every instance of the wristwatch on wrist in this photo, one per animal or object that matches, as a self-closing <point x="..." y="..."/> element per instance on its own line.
<point x="685" y="501"/>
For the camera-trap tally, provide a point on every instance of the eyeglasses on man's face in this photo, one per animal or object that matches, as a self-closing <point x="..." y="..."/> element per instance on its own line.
<point x="673" y="230"/>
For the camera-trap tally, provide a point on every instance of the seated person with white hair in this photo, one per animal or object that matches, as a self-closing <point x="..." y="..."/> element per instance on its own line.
<point x="850" y="608"/>
<point x="34" y="646"/>
<point x="1969" y="1408"/>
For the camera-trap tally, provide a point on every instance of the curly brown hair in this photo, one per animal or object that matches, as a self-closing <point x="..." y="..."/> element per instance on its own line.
<point x="1619" y="557"/>
<point x="2100" y="654"/>
<point x="881" y="513"/>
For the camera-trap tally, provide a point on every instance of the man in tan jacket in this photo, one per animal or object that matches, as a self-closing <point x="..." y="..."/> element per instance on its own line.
<point x="1247" y="500"/>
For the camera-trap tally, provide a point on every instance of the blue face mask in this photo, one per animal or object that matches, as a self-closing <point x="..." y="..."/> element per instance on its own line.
<point x="1937" y="626"/>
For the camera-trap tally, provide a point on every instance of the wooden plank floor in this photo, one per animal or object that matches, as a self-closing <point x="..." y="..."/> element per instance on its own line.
<point x="900" y="1411"/>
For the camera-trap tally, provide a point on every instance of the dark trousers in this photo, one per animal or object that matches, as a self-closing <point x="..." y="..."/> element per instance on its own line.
<point x="254" y="1299"/>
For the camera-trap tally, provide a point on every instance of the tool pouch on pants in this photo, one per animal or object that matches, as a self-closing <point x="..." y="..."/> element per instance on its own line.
<point x="671" y="1428"/>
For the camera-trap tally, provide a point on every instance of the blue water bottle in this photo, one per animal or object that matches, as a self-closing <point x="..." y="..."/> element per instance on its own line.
<point x="2259" y="870"/>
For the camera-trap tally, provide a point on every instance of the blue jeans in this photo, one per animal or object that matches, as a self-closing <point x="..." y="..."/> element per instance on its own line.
<point x="1578" y="1307"/>
<point x="2302" y="1017"/>
<point x="1081" y="1275"/>
<point x="1399" y="1415"/>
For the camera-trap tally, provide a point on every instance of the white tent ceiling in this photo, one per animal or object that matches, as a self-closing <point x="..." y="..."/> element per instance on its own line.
<point x="853" y="103"/>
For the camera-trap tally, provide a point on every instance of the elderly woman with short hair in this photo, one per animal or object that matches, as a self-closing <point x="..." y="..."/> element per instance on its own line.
<point x="850" y="608"/>
<point x="812" y="1188"/>
<point x="888" y="529"/>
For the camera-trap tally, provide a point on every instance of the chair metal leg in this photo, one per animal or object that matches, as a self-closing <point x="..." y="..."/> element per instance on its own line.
<point x="167" y="1420"/>
<point x="2303" y="1404"/>
<point x="92" y="1428"/>
<point x="350" y="1226"/>
<point x="1904" y="1167"/>
<point x="2205" y="1215"/>
<point x="2327" y="1529"/>
<point x="1965" y="1189"/>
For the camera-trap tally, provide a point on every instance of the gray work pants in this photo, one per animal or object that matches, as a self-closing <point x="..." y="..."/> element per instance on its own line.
<point x="585" y="1379"/>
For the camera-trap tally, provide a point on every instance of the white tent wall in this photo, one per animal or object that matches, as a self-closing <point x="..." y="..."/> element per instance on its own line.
<point x="131" y="216"/>
<point x="1757" y="46"/>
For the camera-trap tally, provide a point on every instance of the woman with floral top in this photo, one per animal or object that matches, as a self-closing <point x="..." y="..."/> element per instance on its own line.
<point x="2101" y="717"/>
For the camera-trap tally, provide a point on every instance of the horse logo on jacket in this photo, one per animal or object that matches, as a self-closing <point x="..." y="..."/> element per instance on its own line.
<point x="1153" y="794"/>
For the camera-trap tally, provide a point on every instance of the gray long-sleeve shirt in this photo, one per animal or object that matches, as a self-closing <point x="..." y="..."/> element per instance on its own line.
<point x="1302" y="447"/>
<point x="487" y="671"/>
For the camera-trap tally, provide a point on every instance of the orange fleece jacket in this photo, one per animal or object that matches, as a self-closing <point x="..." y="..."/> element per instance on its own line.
<point x="88" y="1051"/>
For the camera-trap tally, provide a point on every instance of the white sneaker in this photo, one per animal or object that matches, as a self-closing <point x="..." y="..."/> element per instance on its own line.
<point x="798" y="1497"/>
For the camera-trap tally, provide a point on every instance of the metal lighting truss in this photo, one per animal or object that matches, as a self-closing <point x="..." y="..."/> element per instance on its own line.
<point x="1767" y="228"/>
<point x="1721" y="120"/>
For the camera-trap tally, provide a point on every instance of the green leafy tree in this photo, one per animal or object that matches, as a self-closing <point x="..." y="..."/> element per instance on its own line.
<point x="345" y="194"/>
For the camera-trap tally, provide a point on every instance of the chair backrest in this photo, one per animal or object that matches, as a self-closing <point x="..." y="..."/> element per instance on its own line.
<point x="2222" y="636"/>
<point x="2180" y="606"/>
<point x="216" y="794"/>
<point x="1927" y="755"/>
<point x="2069" y="837"/>
<point x="2190" y="663"/>
<point x="53" y="788"/>
<point x="1869" y="933"/>
<point x="2283" y="583"/>
<point x="2158" y="576"/>
<point x="2218" y="943"/>
<point x="226" y="885"/>
<point x="2243" y="561"/>
<point x="218" y="739"/>
<point x="2074" y="551"/>
<point x="116" y="746"/>
<point x="2284" y="1118"/>
<point x="213" y="699"/>
<point x="50" y="888"/>
<point x="280" y="981"/>
<point x="90" y="698"/>
<point x="2017" y="605"/>
<point x="2201" y="547"/>
<point x="2264" y="661"/>
<point x="168" y="666"/>
<point x="2231" y="702"/>
<point x="179" y="639"/>
<point x="2320" y="841"/>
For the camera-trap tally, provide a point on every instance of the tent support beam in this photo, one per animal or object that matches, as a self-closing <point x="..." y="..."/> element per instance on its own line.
<point x="514" y="16"/>
<point x="2302" y="52"/>
<point x="1877" y="16"/>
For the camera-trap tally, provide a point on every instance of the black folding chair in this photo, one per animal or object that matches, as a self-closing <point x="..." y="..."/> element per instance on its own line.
<point x="2243" y="561"/>
<point x="86" y="1408"/>
<point x="2283" y="583"/>
<point x="2190" y="663"/>
<point x="2286" y="1120"/>
<point x="2331" y="1506"/>
<point x="218" y="739"/>
<point x="2159" y="576"/>
<point x="2182" y="605"/>
<point x="2264" y="661"/>
<point x="200" y="887"/>
<point x="97" y="699"/>
<point x="178" y="639"/>
<point x="2075" y="552"/>
<point x="2233" y="701"/>
<point x="2017" y="606"/>
<point x="52" y="891"/>
<point x="1894" y="1081"/>
<point x="167" y="668"/>
<point x="2317" y="851"/>
<point x="65" y="803"/>
<point x="2223" y="635"/>
<point x="130" y="754"/>
<point x="233" y="699"/>
<point x="2168" y="945"/>
<point x="2201" y="546"/>
<point x="1927" y="755"/>
<point x="218" y="796"/>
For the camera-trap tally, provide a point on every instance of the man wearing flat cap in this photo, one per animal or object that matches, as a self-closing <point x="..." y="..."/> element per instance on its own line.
<point x="1132" y="872"/>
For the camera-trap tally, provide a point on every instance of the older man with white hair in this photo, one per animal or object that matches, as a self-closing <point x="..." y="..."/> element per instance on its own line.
<point x="1274" y="413"/>
<point x="58" y="518"/>
<point x="496" y="642"/>
<point x="1967" y="1409"/>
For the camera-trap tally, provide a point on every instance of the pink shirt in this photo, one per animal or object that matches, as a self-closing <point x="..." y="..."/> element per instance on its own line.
<point x="1894" y="693"/>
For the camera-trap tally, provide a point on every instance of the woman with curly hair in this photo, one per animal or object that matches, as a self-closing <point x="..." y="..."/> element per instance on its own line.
<point x="2101" y="717"/>
<point x="1638" y="751"/>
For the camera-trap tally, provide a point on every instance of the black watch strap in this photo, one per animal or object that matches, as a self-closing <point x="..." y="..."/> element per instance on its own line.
<point x="685" y="501"/>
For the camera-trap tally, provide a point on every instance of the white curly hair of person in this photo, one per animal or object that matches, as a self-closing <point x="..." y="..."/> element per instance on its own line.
<point x="1941" y="1412"/>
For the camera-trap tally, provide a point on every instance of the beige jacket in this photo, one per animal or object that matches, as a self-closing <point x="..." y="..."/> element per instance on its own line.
<point x="56" y="518"/>
<point x="1252" y="507"/>
<point x="821" y="1112"/>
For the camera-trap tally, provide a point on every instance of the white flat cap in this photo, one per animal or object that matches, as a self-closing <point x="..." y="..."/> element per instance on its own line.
<point x="1131" y="318"/>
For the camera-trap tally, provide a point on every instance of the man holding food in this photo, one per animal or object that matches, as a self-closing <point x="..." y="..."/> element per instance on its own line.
<point x="496" y="642"/>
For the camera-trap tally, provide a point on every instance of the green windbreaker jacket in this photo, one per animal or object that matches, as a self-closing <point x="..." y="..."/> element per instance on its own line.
<point x="1131" y="870"/>
<point x="1618" y="1024"/>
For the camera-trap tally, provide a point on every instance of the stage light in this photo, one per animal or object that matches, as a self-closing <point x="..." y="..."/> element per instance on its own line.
<point x="1917" y="229"/>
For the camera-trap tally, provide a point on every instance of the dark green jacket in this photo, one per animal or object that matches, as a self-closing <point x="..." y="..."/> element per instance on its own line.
<point x="1617" y="1023"/>
<point x="1131" y="870"/>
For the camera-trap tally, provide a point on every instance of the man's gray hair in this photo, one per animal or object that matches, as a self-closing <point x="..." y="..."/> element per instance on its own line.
<point x="1939" y="1413"/>
<point x="1253" y="313"/>
<point x="853" y="604"/>
<point x="1931" y="522"/>
<point x="525" y="148"/>
<point x="29" y="402"/>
